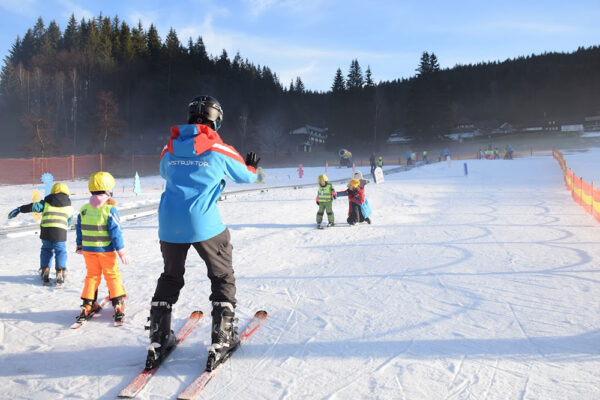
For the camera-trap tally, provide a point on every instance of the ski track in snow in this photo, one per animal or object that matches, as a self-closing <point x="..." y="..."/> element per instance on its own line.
<point x="477" y="287"/>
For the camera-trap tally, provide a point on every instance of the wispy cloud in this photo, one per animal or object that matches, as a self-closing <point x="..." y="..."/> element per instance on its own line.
<point x="72" y="7"/>
<point x="302" y="8"/>
<point x="147" y="18"/>
<point x="22" y="7"/>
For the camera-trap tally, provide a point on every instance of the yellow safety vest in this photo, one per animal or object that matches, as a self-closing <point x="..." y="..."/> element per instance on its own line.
<point x="325" y="193"/>
<point x="56" y="217"/>
<point x="94" y="225"/>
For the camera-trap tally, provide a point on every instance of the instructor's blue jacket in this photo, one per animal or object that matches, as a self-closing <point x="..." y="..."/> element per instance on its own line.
<point x="194" y="163"/>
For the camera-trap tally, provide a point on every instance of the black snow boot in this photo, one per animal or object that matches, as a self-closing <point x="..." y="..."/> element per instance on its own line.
<point x="88" y="308"/>
<point x="224" y="336"/>
<point x="162" y="338"/>
<point x="45" y="274"/>
<point x="61" y="275"/>
<point x="119" y="306"/>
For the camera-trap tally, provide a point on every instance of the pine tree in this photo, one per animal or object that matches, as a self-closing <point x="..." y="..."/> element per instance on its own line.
<point x="338" y="82"/>
<point x="299" y="85"/>
<point x="138" y="41"/>
<point x="434" y="65"/>
<point x="153" y="44"/>
<point x="424" y="65"/>
<point x="38" y="34"/>
<point x="368" y="78"/>
<point x="71" y="36"/>
<point x="355" y="77"/>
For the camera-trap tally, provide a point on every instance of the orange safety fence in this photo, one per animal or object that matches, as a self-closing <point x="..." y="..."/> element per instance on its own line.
<point x="15" y="171"/>
<point x="583" y="193"/>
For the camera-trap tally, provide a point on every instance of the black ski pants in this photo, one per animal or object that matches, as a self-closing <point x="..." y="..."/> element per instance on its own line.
<point x="216" y="253"/>
<point x="355" y="215"/>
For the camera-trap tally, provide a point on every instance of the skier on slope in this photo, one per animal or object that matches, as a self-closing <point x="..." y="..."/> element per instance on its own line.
<point x="99" y="239"/>
<point x="325" y="196"/>
<point x="57" y="215"/>
<point x="194" y="164"/>
<point x="358" y="207"/>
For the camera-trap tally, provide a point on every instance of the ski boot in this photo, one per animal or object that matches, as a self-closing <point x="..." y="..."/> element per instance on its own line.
<point x="45" y="275"/>
<point x="224" y="336"/>
<point x="88" y="308"/>
<point x="331" y="224"/>
<point x="162" y="338"/>
<point x="119" y="305"/>
<point x="61" y="275"/>
<point x="368" y="220"/>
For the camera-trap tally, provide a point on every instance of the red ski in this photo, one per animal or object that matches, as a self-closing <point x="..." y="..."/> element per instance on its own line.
<point x="138" y="383"/>
<point x="194" y="389"/>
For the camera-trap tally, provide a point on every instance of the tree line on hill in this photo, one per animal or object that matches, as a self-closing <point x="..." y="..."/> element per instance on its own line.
<point x="102" y="85"/>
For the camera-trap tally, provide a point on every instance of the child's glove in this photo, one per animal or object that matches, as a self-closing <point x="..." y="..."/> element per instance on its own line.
<point x="14" y="213"/>
<point x="317" y="202"/>
<point x="79" y="250"/>
<point x="123" y="256"/>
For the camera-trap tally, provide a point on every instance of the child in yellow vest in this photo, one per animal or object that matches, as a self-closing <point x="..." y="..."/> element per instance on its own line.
<point x="57" y="214"/>
<point x="99" y="239"/>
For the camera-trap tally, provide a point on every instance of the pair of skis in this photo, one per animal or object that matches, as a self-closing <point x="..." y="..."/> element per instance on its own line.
<point x="194" y="389"/>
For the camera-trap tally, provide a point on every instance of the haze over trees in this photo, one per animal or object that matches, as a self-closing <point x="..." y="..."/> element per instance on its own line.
<point x="102" y="85"/>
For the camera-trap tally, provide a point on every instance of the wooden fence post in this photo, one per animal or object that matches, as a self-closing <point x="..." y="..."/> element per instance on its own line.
<point x="72" y="167"/>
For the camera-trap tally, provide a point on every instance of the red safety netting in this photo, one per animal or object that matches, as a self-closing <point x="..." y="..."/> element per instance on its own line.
<point x="15" y="171"/>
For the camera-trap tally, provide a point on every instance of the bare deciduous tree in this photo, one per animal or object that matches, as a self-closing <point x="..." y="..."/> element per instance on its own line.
<point x="108" y="124"/>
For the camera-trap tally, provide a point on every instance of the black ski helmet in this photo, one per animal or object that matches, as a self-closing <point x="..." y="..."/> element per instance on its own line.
<point x="203" y="109"/>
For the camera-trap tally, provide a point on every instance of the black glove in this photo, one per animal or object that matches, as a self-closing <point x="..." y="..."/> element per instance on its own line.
<point x="14" y="213"/>
<point x="252" y="159"/>
<point x="317" y="202"/>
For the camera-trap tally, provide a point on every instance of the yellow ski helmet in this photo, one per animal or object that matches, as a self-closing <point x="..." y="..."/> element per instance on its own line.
<point x="60" y="187"/>
<point x="354" y="183"/>
<point x="322" y="178"/>
<point x="101" y="182"/>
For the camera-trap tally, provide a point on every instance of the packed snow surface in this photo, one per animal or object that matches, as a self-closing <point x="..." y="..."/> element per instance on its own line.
<point x="478" y="286"/>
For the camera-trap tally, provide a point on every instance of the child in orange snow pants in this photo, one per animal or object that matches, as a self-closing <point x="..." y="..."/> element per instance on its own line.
<point x="98" y="264"/>
<point x="99" y="239"/>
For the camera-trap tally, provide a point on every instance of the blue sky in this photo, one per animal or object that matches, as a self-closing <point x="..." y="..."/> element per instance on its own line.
<point x="312" y="38"/>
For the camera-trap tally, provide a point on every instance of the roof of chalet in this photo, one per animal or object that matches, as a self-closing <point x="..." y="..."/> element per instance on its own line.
<point x="311" y="130"/>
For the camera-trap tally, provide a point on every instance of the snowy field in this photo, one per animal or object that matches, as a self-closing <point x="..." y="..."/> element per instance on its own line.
<point x="483" y="286"/>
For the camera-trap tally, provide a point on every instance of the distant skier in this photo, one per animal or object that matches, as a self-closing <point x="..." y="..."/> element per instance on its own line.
<point x="508" y="155"/>
<point x="373" y="163"/>
<point x="99" y="239"/>
<point x="325" y="196"/>
<point x="194" y="164"/>
<point x="358" y="207"/>
<point x="57" y="215"/>
<point x="446" y="154"/>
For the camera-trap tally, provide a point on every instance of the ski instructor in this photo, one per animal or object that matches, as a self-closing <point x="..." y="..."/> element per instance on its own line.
<point x="194" y="163"/>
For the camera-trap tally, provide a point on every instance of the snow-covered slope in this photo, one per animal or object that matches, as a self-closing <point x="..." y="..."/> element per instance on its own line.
<point x="482" y="286"/>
